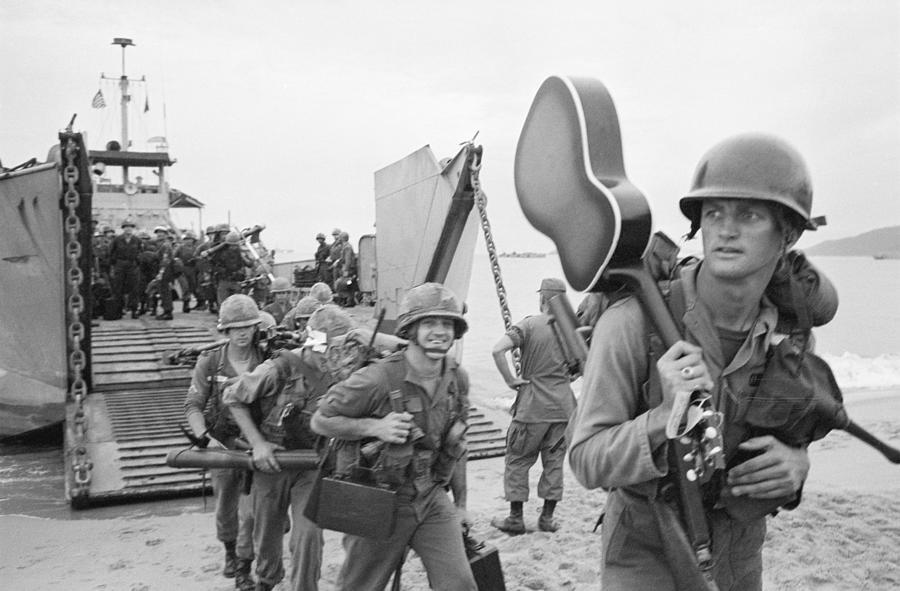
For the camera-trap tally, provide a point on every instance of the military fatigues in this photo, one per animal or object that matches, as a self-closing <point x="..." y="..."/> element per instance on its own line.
<point x="123" y="258"/>
<point x="234" y="517"/>
<point x="617" y="438"/>
<point x="227" y="266"/>
<point x="426" y="521"/>
<point x="284" y="392"/>
<point x="541" y="413"/>
<point x="186" y="254"/>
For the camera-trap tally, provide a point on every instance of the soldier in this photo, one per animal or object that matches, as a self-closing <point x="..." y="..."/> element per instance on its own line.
<point x="751" y="198"/>
<point x="123" y="260"/>
<point x="285" y="390"/>
<point x="281" y="292"/>
<point x="211" y="421"/>
<point x="424" y="429"/>
<point x="323" y="271"/>
<point x="298" y="316"/>
<point x="544" y="401"/>
<point x="205" y="284"/>
<point x="345" y="273"/>
<point x="228" y="265"/>
<point x="186" y="254"/>
<point x="165" y="273"/>
<point x="334" y="250"/>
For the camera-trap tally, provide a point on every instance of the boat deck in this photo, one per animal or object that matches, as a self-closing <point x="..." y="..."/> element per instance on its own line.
<point x="135" y="408"/>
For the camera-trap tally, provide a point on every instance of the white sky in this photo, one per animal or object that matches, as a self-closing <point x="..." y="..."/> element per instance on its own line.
<point x="279" y="112"/>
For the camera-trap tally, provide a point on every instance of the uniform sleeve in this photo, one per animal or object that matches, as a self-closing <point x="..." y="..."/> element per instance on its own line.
<point x="253" y="385"/>
<point x="610" y="442"/>
<point x="198" y="392"/>
<point x="356" y="397"/>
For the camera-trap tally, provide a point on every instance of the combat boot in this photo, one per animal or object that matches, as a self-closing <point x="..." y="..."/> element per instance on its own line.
<point x="231" y="561"/>
<point x="185" y="306"/>
<point x="243" y="580"/>
<point x="513" y="524"/>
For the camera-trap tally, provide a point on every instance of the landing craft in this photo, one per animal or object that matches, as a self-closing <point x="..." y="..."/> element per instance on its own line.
<point x="108" y="382"/>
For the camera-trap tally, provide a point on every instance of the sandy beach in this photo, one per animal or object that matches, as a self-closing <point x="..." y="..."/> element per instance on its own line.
<point x="845" y="534"/>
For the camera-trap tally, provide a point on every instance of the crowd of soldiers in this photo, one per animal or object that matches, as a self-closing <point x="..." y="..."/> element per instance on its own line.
<point x="336" y="265"/>
<point x="142" y="274"/>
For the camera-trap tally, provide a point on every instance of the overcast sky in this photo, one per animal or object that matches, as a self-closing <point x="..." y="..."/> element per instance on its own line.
<point x="279" y="112"/>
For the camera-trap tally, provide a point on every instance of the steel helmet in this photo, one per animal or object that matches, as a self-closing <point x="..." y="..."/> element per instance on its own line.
<point x="222" y="228"/>
<point x="280" y="284"/>
<point x="345" y="236"/>
<point x="752" y="166"/>
<point x="426" y="301"/>
<point x="266" y="321"/>
<point x="237" y="311"/>
<point x="210" y="230"/>
<point x="331" y="320"/>
<point x="233" y="238"/>
<point x="321" y="292"/>
<point x="320" y="236"/>
<point x="188" y="235"/>
<point x="160" y="229"/>
<point x="306" y="306"/>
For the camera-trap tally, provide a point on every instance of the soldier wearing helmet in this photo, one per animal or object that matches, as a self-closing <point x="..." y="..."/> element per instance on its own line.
<point x="186" y="261"/>
<point x="344" y="270"/>
<point x="206" y="283"/>
<point x="750" y="199"/>
<point x="299" y="315"/>
<point x="165" y="274"/>
<point x="228" y="264"/>
<point x="211" y="421"/>
<point x="284" y="391"/>
<point x="281" y="304"/>
<point x="422" y="435"/>
<point x="323" y="271"/>
<point x="124" y="253"/>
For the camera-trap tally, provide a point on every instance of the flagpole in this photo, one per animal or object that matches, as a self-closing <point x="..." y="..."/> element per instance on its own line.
<point x="123" y="85"/>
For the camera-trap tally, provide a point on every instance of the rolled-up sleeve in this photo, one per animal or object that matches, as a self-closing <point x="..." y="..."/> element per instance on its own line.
<point x="610" y="442"/>
<point x="198" y="392"/>
<point x="250" y="386"/>
<point x="355" y="397"/>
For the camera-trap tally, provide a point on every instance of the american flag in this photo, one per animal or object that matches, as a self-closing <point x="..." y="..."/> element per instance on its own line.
<point x="98" y="102"/>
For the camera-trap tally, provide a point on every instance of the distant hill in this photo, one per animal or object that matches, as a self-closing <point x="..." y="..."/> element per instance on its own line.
<point x="881" y="242"/>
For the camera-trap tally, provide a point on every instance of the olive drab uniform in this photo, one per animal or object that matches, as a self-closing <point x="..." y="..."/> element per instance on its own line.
<point x="227" y="266"/>
<point x="282" y="393"/>
<point x="123" y="260"/>
<point x="419" y="470"/>
<point x="234" y="516"/>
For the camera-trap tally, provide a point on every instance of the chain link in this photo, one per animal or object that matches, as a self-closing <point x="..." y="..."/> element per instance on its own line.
<point x="76" y="331"/>
<point x="481" y="202"/>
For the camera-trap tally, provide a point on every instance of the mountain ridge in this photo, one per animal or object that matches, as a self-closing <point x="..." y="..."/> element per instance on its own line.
<point x="879" y="243"/>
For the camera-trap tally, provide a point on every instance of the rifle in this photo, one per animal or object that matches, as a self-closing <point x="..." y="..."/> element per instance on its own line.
<point x="248" y="247"/>
<point x="569" y="335"/>
<point x="188" y="355"/>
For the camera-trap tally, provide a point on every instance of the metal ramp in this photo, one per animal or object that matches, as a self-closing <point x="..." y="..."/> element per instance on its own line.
<point x="136" y="406"/>
<point x="134" y="410"/>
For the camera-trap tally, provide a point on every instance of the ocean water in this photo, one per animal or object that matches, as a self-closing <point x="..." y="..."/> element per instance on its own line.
<point x="862" y="343"/>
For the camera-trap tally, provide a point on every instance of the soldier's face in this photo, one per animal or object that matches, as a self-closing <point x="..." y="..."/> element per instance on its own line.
<point x="741" y="237"/>
<point x="435" y="336"/>
<point x="241" y="336"/>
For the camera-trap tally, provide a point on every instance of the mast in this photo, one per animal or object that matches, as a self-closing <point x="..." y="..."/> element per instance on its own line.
<point x="126" y="98"/>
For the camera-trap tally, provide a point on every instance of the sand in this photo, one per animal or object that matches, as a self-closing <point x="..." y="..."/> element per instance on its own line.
<point x="845" y="534"/>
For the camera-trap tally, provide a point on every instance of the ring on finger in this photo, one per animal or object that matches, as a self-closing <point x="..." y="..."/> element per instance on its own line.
<point x="687" y="372"/>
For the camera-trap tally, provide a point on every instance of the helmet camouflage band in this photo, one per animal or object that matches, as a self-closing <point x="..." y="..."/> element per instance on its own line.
<point x="752" y="166"/>
<point x="430" y="300"/>
<point x="238" y="311"/>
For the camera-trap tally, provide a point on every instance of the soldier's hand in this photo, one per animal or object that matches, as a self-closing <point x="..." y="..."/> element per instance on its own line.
<point x="682" y="370"/>
<point x="264" y="457"/>
<point x="779" y="471"/>
<point x="516" y="382"/>
<point x="394" y="428"/>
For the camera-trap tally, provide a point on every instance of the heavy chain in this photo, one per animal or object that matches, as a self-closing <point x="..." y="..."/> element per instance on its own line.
<point x="481" y="201"/>
<point x="75" y="306"/>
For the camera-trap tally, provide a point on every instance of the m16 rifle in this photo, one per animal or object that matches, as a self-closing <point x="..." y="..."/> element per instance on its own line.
<point x="188" y="355"/>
